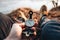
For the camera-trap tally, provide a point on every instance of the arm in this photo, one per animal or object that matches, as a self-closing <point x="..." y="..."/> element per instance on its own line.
<point x="51" y="31"/>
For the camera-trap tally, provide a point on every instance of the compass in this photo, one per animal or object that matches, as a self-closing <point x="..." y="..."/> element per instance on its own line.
<point x="29" y="23"/>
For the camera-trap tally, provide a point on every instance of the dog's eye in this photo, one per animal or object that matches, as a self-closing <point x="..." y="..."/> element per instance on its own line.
<point x="21" y="19"/>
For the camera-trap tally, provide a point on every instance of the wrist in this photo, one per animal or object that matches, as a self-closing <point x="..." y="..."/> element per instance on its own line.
<point x="12" y="38"/>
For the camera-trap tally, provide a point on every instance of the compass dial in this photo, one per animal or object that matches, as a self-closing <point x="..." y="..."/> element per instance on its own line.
<point x="29" y="23"/>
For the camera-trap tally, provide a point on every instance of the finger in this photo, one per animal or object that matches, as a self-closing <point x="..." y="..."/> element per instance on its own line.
<point x="23" y="29"/>
<point x="35" y="33"/>
<point x="33" y="28"/>
<point x="22" y="25"/>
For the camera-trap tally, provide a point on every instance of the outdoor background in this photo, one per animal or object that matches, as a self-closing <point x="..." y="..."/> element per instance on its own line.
<point x="7" y="6"/>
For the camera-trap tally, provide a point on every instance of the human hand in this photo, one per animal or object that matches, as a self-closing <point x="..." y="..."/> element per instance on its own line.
<point x="34" y="29"/>
<point x="36" y="22"/>
<point x="15" y="33"/>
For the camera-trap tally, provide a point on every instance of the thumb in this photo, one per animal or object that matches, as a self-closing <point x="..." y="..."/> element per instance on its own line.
<point x="16" y="31"/>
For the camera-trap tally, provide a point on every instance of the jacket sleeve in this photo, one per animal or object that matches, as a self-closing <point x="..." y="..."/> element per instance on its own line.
<point x="5" y="26"/>
<point x="51" y="31"/>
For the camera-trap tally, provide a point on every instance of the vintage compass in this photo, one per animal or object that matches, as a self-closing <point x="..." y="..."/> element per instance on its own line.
<point x="30" y="22"/>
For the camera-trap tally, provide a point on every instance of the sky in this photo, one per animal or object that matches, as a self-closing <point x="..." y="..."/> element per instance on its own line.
<point x="7" y="6"/>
